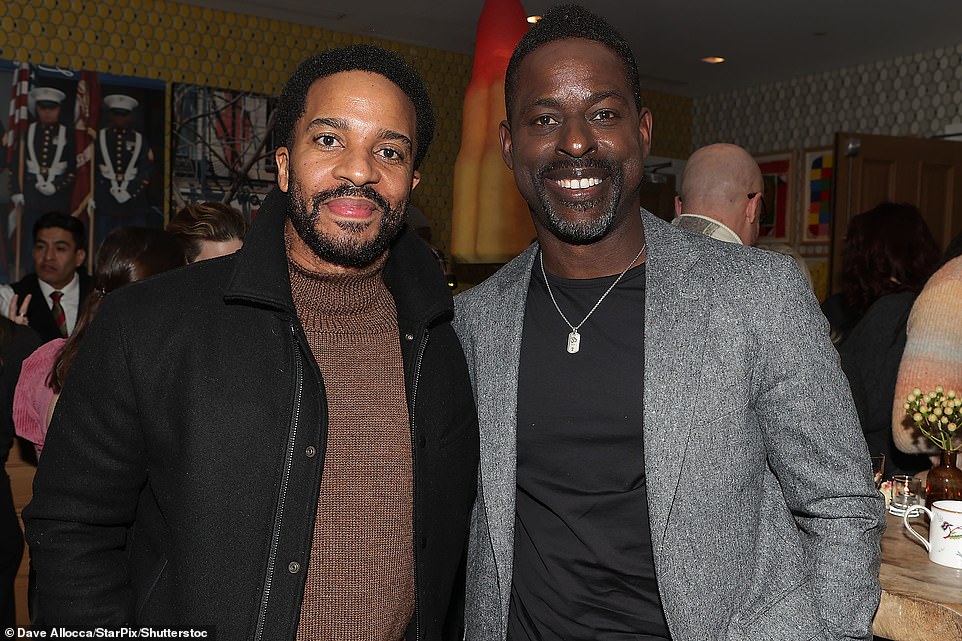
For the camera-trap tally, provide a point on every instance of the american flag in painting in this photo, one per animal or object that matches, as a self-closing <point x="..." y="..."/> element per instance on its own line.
<point x="86" y="117"/>
<point x="19" y="115"/>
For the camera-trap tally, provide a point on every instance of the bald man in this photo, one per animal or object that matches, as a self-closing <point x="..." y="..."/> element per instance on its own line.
<point x="721" y="195"/>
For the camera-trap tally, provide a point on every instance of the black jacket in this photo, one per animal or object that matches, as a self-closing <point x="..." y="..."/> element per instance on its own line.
<point x="38" y="312"/>
<point x="180" y="476"/>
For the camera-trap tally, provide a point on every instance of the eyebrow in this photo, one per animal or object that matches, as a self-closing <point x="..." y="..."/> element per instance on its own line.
<point x="592" y="99"/>
<point x="341" y="123"/>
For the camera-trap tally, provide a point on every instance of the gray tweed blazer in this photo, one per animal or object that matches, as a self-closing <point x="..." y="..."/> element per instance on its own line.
<point x="765" y="522"/>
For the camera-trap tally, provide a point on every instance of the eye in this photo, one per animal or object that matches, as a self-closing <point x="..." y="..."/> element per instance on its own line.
<point x="545" y="121"/>
<point x="605" y="114"/>
<point x="326" y="140"/>
<point x="389" y="153"/>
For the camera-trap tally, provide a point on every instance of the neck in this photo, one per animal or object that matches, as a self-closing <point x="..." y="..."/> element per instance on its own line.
<point x="605" y="257"/>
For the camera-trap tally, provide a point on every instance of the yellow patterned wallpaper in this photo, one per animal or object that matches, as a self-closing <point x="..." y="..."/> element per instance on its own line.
<point x="176" y="42"/>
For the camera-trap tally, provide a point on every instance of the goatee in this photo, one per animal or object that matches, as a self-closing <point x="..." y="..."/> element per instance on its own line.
<point x="581" y="232"/>
<point x="347" y="249"/>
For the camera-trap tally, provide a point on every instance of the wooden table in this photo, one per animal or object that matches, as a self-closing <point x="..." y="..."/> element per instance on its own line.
<point x="921" y="600"/>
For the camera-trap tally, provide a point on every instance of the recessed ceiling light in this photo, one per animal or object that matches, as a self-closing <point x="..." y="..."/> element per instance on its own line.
<point x="533" y="19"/>
<point x="713" y="60"/>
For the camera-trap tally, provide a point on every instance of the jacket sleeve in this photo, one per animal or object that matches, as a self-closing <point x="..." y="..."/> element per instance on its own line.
<point x="818" y="454"/>
<point x="87" y="485"/>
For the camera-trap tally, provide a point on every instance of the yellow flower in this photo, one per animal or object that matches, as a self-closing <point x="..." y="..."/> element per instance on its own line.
<point x="945" y="420"/>
<point x="917" y="417"/>
<point x="937" y="411"/>
<point x="951" y="393"/>
<point x="932" y="418"/>
<point x="939" y="389"/>
<point x="953" y="427"/>
<point x="911" y="398"/>
<point x="917" y="391"/>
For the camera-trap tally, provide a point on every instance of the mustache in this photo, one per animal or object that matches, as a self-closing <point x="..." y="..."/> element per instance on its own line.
<point x="350" y="191"/>
<point x="578" y="163"/>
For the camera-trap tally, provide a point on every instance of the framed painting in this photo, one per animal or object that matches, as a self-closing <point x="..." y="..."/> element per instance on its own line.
<point x="778" y="177"/>
<point x="82" y="143"/>
<point x="221" y="147"/>
<point x="818" y="173"/>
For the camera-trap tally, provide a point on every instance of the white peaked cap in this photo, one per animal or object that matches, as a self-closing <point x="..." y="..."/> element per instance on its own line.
<point x="47" y="94"/>
<point x="120" y="101"/>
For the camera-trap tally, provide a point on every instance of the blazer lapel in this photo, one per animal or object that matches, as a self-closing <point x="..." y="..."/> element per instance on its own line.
<point x="676" y="313"/>
<point x="500" y="339"/>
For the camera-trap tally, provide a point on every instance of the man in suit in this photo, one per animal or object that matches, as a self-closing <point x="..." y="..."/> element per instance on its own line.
<point x="721" y="194"/>
<point x="668" y="446"/>
<point x="57" y="287"/>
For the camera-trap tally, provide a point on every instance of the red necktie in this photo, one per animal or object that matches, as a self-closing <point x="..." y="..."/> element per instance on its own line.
<point x="59" y="316"/>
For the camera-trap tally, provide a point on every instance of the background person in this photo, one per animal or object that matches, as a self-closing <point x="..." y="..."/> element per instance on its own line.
<point x="127" y="255"/>
<point x="58" y="285"/>
<point x="889" y="255"/>
<point x="16" y="343"/>
<point x="209" y="229"/>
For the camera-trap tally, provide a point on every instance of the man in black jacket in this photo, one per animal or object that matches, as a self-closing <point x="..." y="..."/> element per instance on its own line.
<point x="281" y="443"/>
<point x="58" y="286"/>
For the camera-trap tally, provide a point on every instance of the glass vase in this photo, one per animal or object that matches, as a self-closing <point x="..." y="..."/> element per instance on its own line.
<point x="944" y="480"/>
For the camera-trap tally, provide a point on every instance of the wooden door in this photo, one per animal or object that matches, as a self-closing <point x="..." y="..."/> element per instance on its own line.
<point x="870" y="169"/>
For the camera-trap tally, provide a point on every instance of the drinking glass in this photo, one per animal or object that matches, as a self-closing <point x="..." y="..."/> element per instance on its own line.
<point x="905" y="493"/>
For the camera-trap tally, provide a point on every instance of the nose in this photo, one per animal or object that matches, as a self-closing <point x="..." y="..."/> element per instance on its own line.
<point x="576" y="138"/>
<point x="358" y="167"/>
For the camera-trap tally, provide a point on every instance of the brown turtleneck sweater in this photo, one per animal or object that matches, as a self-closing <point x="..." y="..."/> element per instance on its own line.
<point x="360" y="579"/>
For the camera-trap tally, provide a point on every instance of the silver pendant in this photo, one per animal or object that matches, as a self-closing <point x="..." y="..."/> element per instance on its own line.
<point x="574" y="342"/>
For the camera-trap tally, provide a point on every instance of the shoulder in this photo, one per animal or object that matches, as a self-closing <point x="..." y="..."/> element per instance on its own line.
<point x="28" y="283"/>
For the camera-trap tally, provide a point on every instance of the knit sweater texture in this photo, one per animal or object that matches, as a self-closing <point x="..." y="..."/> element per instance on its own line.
<point x="360" y="579"/>
<point x="933" y="351"/>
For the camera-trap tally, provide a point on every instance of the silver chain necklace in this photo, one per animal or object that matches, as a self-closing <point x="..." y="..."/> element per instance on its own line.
<point x="574" y="338"/>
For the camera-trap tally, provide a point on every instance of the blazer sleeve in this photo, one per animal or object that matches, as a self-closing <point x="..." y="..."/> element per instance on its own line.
<point x="818" y="453"/>
<point x="86" y="489"/>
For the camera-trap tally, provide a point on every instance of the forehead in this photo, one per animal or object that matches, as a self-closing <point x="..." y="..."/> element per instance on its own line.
<point x="54" y="235"/>
<point x="569" y="68"/>
<point x="362" y="98"/>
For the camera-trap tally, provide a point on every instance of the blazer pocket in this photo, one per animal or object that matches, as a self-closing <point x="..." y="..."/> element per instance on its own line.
<point x="791" y="617"/>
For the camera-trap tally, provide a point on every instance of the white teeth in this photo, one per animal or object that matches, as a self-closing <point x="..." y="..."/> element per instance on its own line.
<point x="583" y="183"/>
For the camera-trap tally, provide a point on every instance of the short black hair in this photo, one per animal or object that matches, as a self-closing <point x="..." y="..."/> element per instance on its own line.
<point x="62" y="221"/>
<point x="571" y="21"/>
<point x="292" y="102"/>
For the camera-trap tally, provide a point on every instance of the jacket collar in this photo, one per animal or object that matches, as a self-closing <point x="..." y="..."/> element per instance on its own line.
<point x="261" y="274"/>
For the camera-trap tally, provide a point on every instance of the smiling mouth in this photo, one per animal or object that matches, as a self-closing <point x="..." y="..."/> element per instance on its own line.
<point x="578" y="183"/>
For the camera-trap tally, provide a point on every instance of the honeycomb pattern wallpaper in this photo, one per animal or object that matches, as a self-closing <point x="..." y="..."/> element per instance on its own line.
<point x="916" y="95"/>
<point x="176" y="42"/>
<point x="181" y="43"/>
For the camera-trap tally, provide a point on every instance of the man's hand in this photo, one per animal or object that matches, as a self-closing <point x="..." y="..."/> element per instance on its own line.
<point x="18" y="314"/>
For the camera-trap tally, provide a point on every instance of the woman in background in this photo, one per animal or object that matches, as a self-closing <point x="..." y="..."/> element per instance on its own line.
<point x="889" y="255"/>
<point x="128" y="254"/>
<point x="207" y="230"/>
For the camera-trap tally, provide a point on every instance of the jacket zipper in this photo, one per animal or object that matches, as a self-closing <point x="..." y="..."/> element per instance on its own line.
<point x="285" y="480"/>
<point x="422" y="345"/>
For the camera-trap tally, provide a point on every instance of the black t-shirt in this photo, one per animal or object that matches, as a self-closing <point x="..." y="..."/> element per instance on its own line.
<point x="583" y="565"/>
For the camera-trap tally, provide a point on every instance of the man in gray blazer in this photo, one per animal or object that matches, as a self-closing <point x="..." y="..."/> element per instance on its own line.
<point x="669" y="448"/>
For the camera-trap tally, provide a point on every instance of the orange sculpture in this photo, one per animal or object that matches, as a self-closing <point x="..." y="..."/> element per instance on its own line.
<point x="490" y="222"/>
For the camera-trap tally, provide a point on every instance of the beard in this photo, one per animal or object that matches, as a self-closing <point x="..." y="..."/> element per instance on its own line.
<point x="586" y="231"/>
<point x="346" y="250"/>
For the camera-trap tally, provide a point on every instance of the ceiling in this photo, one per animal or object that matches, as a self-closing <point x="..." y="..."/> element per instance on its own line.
<point x="763" y="40"/>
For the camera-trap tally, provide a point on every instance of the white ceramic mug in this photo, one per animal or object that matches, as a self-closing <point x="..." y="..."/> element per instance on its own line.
<point x="945" y="531"/>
